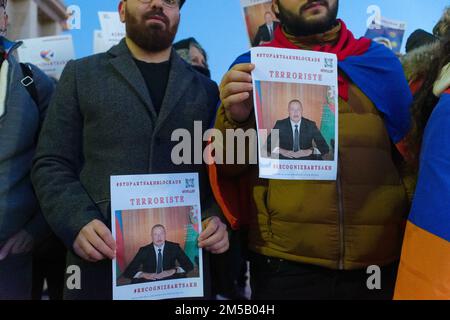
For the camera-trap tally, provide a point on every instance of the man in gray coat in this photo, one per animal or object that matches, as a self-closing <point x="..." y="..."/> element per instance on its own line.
<point x="114" y="114"/>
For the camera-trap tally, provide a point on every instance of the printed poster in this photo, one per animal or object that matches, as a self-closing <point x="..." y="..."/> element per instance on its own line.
<point x="156" y="222"/>
<point x="260" y="21"/>
<point x="50" y="54"/>
<point x="296" y="108"/>
<point x="112" y="30"/>
<point x="388" y="32"/>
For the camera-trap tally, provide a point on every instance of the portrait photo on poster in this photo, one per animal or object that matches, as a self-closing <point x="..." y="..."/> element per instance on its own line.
<point x="163" y="245"/>
<point x="303" y="114"/>
<point x="296" y="103"/>
<point x="260" y="21"/>
<point x="156" y="234"/>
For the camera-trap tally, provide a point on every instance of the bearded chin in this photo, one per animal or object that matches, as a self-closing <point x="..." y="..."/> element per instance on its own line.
<point x="151" y="38"/>
<point x="297" y="26"/>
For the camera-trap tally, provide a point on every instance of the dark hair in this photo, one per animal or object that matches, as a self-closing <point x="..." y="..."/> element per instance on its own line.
<point x="296" y="101"/>
<point x="3" y="3"/>
<point x="424" y="99"/>
<point x="158" y="226"/>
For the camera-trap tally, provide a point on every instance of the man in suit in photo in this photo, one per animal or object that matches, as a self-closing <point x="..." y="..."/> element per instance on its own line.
<point x="158" y="260"/>
<point x="114" y="114"/>
<point x="266" y="31"/>
<point x="299" y="138"/>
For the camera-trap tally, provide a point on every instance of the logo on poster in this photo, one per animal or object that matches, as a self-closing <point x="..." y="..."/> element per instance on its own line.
<point x="189" y="183"/>
<point x="47" y="55"/>
<point x="328" y="63"/>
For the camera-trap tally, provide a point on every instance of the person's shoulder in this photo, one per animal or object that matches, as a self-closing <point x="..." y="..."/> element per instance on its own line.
<point x="209" y="86"/>
<point x="283" y="121"/>
<point x="308" y="122"/>
<point x="146" y="247"/>
<point x="380" y="51"/>
<point x="92" y="60"/>
<point x="172" y="245"/>
<point x="204" y="80"/>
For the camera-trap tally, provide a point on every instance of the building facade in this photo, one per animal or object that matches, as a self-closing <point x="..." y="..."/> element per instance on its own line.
<point x="35" y="18"/>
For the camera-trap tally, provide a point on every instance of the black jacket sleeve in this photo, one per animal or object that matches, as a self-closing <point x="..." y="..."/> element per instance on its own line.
<point x="135" y="264"/>
<point x="319" y="140"/>
<point x="183" y="259"/>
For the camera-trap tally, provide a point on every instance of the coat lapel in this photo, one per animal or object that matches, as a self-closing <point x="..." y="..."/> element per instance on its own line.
<point x="180" y="78"/>
<point x="123" y="63"/>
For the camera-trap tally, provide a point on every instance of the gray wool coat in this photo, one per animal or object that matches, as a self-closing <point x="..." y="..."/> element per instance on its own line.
<point x="101" y="122"/>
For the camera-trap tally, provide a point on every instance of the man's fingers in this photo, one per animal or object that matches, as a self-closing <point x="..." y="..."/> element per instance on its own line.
<point x="4" y="252"/>
<point x="236" y="76"/>
<point x="213" y="239"/>
<point x="89" y="250"/>
<point x="236" y="98"/>
<point x="235" y="88"/>
<point x="105" y="234"/>
<point x="210" y="229"/>
<point x="219" y="247"/>
<point x="80" y="252"/>
<point x="98" y="243"/>
<point x="244" y="67"/>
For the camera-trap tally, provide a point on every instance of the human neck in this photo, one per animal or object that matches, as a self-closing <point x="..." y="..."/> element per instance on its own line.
<point x="307" y="41"/>
<point x="146" y="56"/>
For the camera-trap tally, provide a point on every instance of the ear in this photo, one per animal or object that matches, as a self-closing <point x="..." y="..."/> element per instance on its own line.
<point x="122" y="11"/>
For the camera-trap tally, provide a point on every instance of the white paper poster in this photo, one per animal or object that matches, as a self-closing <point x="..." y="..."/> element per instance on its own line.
<point x="296" y="108"/>
<point x="113" y="30"/>
<point x="100" y="44"/>
<point x="50" y="54"/>
<point x="260" y="21"/>
<point x="156" y="222"/>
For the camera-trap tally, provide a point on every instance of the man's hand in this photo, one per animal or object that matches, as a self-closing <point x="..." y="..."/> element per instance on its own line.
<point x="21" y="242"/>
<point x="95" y="242"/>
<point x="165" y="274"/>
<point x="287" y="153"/>
<point x="148" y="276"/>
<point x="214" y="237"/>
<point x="236" y="92"/>
<point x="303" y="153"/>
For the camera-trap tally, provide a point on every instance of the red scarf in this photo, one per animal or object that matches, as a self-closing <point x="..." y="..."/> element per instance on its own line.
<point x="345" y="47"/>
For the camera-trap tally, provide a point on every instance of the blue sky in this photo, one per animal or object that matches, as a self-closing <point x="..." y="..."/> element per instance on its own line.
<point x="218" y="24"/>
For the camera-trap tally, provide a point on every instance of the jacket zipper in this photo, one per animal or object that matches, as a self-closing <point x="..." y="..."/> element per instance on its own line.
<point x="341" y="221"/>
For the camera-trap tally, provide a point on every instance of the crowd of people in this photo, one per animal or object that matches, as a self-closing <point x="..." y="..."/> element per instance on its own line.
<point x="114" y="113"/>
